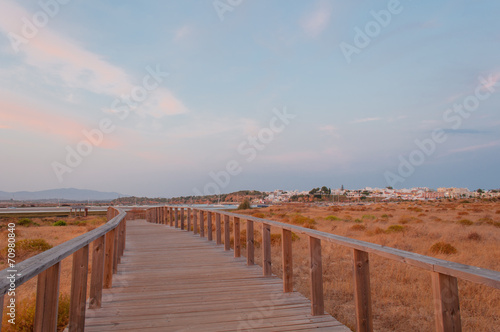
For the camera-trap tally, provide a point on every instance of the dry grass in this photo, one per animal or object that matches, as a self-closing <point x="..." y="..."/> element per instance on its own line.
<point x="35" y="236"/>
<point x="401" y="294"/>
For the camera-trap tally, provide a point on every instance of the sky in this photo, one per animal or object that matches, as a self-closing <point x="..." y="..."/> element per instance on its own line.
<point x="170" y="98"/>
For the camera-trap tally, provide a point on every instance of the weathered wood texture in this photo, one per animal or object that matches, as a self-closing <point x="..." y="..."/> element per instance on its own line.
<point x="184" y="292"/>
<point x="318" y="305"/>
<point x="362" y="293"/>
<point x="446" y="303"/>
<point x="47" y="299"/>
<point x="97" y="276"/>
<point x="78" y="290"/>
<point x="287" y="261"/>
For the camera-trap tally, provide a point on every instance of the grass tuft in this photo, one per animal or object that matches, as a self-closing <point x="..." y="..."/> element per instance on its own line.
<point x="443" y="248"/>
<point x="60" y="223"/>
<point x="465" y="222"/>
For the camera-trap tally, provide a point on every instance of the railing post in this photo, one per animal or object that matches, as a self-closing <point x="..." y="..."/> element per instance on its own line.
<point x="266" y="249"/>
<point x="97" y="277"/>
<point x="209" y="226"/>
<point x="227" y="234"/>
<point x="236" y="230"/>
<point x="108" y="260"/>
<point x="195" y="221"/>
<point x="188" y="212"/>
<point x="218" y="236"/>
<point x="250" y="244"/>
<point x="78" y="290"/>
<point x="317" y="302"/>
<point x="182" y="218"/>
<point x="176" y="218"/>
<point x="171" y="215"/>
<point x="446" y="303"/>
<point x="202" y="224"/>
<point x="47" y="299"/>
<point x="362" y="293"/>
<point x="287" y="260"/>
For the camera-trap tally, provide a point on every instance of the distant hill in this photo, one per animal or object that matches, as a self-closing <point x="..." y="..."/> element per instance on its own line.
<point x="69" y="194"/>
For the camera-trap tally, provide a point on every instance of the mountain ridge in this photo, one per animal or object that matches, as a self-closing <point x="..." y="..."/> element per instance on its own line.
<point x="70" y="194"/>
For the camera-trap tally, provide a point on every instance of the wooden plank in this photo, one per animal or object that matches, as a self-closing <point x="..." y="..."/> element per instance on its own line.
<point x="188" y="213"/>
<point x="218" y="235"/>
<point x="209" y="226"/>
<point x="287" y="260"/>
<point x="162" y="292"/>
<point x="176" y="218"/>
<point x="266" y="249"/>
<point x="47" y="299"/>
<point x="78" y="290"/>
<point x="250" y="243"/>
<point x="108" y="259"/>
<point x="227" y="234"/>
<point x="237" y="234"/>
<point x="362" y="293"/>
<point x="446" y="303"/>
<point x="97" y="276"/>
<point x="317" y="302"/>
<point x="171" y="216"/>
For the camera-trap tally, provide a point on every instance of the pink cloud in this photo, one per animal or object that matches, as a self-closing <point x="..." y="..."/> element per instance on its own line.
<point x="61" y="58"/>
<point x="314" y="22"/>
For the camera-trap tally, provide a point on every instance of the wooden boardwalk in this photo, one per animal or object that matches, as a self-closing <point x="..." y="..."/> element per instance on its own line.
<point x="172" y="280"/>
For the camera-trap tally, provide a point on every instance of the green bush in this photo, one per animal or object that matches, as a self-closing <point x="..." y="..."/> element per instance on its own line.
<point x="304" y="221"/>
<point x="333" y="218"/>
<point x="25" y="222"/>
<point x="245" y="205"/>
<point x="60" y="223"/>
<point x="368" y="216"/>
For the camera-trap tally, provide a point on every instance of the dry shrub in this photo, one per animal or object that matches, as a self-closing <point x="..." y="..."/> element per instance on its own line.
<point x="465" y="222"/>
<point x="275" y="239"/>
<point x="395" y="229"/>
<point x="443" y="248"/>
<point x="258" y="215"/>
<point x="463" y="213"/>
<point x="378" y="230"/>
<point x="497" y="212"/>
<point x="25" y="315"/>
<point x="474" y="236"/>
<point x="333" y="218"/>
<point x="303" y="221"/>
<point x="358" y="227"/>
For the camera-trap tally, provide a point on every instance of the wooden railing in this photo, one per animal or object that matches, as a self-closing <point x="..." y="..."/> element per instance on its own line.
<point x="444" y="274"/>
<point x="108" y="246"/>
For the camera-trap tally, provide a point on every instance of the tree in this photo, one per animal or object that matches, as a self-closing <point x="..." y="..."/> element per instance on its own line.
<point x="480" y="191"/>
<point x="245" y="205"/>
<point x="313" y="191"/>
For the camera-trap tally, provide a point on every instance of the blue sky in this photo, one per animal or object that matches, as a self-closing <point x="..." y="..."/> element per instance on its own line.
<point x="355" y="117"/>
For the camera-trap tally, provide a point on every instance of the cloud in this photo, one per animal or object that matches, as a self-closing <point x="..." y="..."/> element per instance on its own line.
<point x="314" y="22"/>
<point x="182" y="33"/>
<point x="363" y="120"/>
<point x="466" y="131"/>
<point x="475" y="147"/>
<point x="69" y="65"/>
<point x="329" y="130"/>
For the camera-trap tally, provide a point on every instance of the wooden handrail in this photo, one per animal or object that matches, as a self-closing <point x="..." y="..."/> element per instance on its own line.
<point x="47" y="266"/>
<point x="444" y="273"/>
